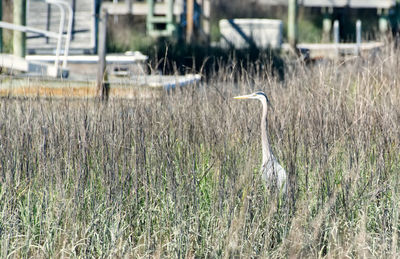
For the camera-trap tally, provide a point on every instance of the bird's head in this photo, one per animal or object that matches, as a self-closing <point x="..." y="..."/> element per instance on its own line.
<point x="257" y="95"/>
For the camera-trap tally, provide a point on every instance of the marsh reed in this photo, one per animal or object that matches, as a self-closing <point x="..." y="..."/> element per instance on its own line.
<point x="178" y="176"/>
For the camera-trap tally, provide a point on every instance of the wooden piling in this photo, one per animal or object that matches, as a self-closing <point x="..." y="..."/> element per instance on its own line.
<point x="327" y="24"/>
<point x="189" y="20"/>
<point x="358" y="37"/>
<point x="129" y="5"/>
<point x="292" y="23"/>
<point x="383" y="21"/>
<point x="19" y="38"/>
<point x="102" y="86"/>
<point x="1" y="30"/>
<point x="336" y="37"/>
<point x="206" y="5"/>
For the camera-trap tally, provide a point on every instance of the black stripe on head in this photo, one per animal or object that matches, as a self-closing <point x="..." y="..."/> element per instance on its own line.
<point x="263" y="94"/>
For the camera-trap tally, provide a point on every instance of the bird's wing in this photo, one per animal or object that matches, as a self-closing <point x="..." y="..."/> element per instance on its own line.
<point x="273" y="172"/>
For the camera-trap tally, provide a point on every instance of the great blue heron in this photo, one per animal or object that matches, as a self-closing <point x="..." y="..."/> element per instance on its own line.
<point x="272" y="172"/>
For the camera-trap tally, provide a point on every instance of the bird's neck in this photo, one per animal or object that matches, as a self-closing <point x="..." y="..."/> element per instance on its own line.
<point x="266" y="149"/>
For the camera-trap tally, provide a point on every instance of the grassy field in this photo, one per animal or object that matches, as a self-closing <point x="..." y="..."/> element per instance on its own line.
<point x="178" y="176"/>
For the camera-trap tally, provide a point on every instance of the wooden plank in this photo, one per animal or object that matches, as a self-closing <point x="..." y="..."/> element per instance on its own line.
<point x="21" y="64"/>
<point x="330" y="50"/>
<point x="84" y="37"/>
<point x="350" y="3"/>
<point x="93" y="59"/>
<point x="139" y="8"/>
<point x="335" y="3"/>
<point x="139" y="87"/>
<point x="241" y="33"/>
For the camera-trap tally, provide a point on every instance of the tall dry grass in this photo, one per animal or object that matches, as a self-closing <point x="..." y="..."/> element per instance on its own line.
<point x="178" y="176"/>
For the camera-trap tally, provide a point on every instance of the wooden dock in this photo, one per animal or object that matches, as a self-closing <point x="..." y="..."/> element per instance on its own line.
<point x="43" y="16"/>
<point x="141" y="8"/>
<point x="332" y="50"/>
<point x="335" y="3"/>
<point x="149" y="86"/>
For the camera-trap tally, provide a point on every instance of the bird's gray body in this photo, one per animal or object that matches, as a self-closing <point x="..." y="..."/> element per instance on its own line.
<point x="272" y="172"/>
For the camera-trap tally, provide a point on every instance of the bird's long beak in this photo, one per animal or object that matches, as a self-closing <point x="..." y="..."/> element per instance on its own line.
<point x="243" y="97"/>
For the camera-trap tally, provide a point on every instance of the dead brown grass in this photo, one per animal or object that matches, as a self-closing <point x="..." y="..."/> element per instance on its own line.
<point x="177" y="176"/>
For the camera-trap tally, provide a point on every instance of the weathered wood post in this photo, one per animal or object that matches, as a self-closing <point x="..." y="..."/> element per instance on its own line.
<point x="1" y="30"/>
<point x="129" y="5"/>
<point x="327" y="24"/>
<point x="397" y="11"/>
<point x="383" y="20"/>
<point x="48" y="17"/>
<point x="19" y="17"/>
<point x="102" y="85"/>
<point x="292" y="23"/>
<point x="206" y="5"/>
<point x="189" y="20"/>
<point x="358" y="37"/>
<point x="336" y="36"/>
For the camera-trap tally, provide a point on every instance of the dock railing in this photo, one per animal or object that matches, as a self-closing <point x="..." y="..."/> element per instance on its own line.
<point x="64" y="8"/>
